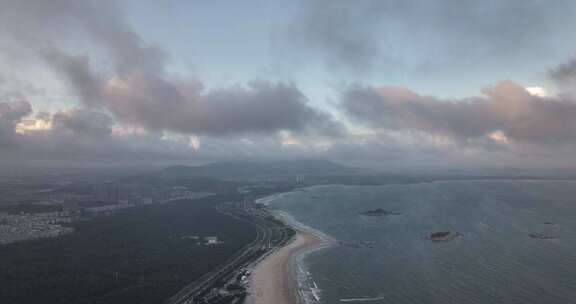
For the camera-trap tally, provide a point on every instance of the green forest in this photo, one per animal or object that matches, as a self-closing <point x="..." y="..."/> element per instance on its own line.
<point x="140" y="255"/>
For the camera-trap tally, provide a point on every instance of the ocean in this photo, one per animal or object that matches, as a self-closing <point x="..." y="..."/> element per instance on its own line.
<point x="517" y="243"/>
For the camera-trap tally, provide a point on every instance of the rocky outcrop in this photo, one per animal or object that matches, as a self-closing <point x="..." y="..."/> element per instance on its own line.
<point x="443" y="236"/>
<point x="379" y="212"/>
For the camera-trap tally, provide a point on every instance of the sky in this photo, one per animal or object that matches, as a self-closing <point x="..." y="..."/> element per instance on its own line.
<point x="373" y="83"/>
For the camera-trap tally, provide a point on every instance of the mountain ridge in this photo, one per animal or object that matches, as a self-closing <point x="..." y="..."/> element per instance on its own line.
<point x="258" y="169"/>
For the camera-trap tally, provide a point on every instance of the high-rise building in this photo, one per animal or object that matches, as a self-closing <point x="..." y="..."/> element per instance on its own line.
<point x="70" y="205"/>
<point x="107" y="192"/>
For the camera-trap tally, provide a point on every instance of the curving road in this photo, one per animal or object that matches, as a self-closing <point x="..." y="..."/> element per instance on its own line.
<point x="265" y="239"/>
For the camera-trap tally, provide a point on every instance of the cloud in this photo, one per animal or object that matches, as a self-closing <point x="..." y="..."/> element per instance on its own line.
<point x="564" y="77"/>
<point x="82" y="123"/>
<point x="506" y="112"/>
<point x="42" y="24"/>
<point x="344" y="31"/>
<point x="127" y="106"/>
<point x="77" y="136"/>
<point x="11" y="113"/>
<point x="91" y="137"/>
<point x="565" y="73"/>
<point x="183" y="106"/>
<point x="77" y="72"/>
<point x="119" y="72"/>
<point x="365" y="35"/>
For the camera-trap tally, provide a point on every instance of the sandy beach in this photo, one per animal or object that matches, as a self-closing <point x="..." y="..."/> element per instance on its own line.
<point x="273" y="280"/>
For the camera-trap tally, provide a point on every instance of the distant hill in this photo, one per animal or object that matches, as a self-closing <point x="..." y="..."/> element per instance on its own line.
<point x="258" y="169"/>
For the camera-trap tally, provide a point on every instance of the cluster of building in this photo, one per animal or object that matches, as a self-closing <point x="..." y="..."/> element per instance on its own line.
<point x="102" y="198"/>
<point x="110" y="196"/>
<point x="208" y="240"/>
<point x="166" y="194"/>
<point x="136" y="194"/>
<point x="14" y="228"/>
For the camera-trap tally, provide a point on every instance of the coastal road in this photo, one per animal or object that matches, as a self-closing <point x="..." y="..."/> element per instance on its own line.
<point x="266" y="231"/>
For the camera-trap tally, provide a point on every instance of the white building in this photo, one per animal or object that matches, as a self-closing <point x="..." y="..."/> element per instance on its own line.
<point x="211" y="240"/>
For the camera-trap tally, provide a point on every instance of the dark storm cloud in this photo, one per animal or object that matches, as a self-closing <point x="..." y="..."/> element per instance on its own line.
<point x="506" y="108"/>
<point x="363" y="34"/>
<point x="133" y="84"/>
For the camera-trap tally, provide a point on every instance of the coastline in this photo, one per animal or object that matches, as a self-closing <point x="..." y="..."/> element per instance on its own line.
<point x="279" y="278"/>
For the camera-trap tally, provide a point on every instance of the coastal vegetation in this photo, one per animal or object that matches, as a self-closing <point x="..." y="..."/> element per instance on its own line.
<point x="134" y="256"/>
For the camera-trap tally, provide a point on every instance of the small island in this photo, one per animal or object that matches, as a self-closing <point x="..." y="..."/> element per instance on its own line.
<point x="443" y="236"/>
<point x="358" y="245"/>
<point x="540" y="236"/>
<point x="379" y="212"/>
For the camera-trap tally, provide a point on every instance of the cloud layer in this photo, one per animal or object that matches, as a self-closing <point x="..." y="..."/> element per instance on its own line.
<point x="133" y="84"/>
<point x="368" y="34"/>
<point x="11" y="113"/>
<point x="506" y="112"/>
<point x="155" y="102"/>
<point x="125" y="104"/>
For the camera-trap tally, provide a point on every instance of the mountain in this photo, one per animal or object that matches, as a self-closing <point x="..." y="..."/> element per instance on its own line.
<point x="258" y="169"/>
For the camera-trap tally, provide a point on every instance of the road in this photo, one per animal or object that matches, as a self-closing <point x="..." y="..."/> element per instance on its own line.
<point x="269" y="234"/>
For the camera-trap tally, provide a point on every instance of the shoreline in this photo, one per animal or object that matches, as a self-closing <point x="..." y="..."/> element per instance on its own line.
<point x="277" y="277"/>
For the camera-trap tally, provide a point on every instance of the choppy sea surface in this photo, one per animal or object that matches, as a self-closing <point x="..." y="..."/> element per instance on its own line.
<point x="387" y="259"/>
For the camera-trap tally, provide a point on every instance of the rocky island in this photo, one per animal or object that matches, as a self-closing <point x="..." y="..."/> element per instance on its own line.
<point x="540" y="236"/>
<point x="443" y="236"/>
<point x="379" y="212"/>
<point x="363" y="244"/>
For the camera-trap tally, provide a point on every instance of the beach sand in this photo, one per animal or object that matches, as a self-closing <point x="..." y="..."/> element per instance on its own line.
<point x="273" y="280"/>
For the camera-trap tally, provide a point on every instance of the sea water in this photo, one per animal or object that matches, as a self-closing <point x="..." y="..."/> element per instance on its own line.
<point x="388" y="259"/>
